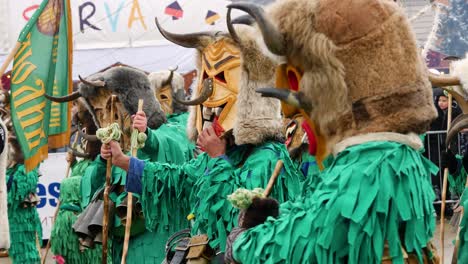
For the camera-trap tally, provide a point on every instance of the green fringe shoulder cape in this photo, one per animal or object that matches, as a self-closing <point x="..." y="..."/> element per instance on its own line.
<point x="204" y="183"/>
<point x="64" y="241"/>
<point x="25" y="225"/>
<point x="167" y="144"/>
<point x="370" y="194"/>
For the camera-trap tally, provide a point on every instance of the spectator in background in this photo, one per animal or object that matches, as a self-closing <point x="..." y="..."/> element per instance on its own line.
<point x="435" y="143"/>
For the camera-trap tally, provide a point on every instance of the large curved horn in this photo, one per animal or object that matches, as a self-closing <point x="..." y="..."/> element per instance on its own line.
<point x="97" y="83"/>
<point x="76" y="153"/>
<point x="274" y="40"/>
<point x="204" y="94"/>
<point x="193" y="40"/>
<point x="458" y="124"/>
<point x="171" y="76"/>
<point x="295" y="99"/>
<point x="230" y="27"/>
<point x="64" y="99"/>
<point x="443" y="80"/>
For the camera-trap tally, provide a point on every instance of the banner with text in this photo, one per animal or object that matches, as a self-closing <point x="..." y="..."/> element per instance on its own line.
<point x="128" y="23"/>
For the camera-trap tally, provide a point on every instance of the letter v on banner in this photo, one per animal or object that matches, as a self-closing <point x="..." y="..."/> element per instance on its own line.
<point x="42" y="64"/>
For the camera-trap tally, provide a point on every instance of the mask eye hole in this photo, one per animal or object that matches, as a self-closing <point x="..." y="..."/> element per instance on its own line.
<point x="220" y="77"/>
<point x="205" y="75"/>
<point x="293" y="81"/>
<point x="164" y="97"/>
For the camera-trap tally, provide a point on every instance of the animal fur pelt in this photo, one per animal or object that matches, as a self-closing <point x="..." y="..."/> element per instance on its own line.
<point x="129" y="85"/>
<point x="4" y="226"/>
<point x="357" y="76"/>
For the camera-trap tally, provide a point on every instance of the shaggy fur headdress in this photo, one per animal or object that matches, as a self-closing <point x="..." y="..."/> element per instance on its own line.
<point x="177" y="83"/>
<point x="362" y="69"/>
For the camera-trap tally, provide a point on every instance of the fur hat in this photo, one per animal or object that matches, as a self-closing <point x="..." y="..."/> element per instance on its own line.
<point x="362" y="69"/>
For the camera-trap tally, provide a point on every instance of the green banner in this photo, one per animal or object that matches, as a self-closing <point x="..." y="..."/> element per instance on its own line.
<point x="42" y="64"/>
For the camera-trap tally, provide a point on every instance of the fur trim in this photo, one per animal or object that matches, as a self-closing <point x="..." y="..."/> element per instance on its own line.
<point x="258" y="118"/>
<point x="460" y="70"/>
<point x="412" y="140"/>
<point x="4" y="227"/>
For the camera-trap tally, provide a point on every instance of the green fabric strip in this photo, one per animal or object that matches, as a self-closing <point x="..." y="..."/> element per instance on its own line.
<point x="369" y="194"/>
<point x="204" y="183"/>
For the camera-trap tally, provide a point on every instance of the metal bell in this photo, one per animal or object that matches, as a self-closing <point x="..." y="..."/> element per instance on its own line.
<point x="81" y="224"/>
<point x="138" y="209"/>
<point x="95" y="225"/>
<point x="121" y="210"/>
<point x="98" y="238"/>
<point x="87" y="242"/>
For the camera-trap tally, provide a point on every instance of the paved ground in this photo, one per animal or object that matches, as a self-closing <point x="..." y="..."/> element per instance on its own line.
<point x="448" y="246"/>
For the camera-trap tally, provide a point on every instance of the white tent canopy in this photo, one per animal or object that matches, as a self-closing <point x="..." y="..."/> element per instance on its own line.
<point x="105" y="32"/>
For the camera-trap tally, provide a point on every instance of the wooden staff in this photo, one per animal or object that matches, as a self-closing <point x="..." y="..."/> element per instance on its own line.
<point x="444" y="184"/>
<point x="274" y="176"/>
<point x="105" y="219"/>
<point x="67" y="173"/>
<point x="128" y="225"/>
<point x="8" y="59"/>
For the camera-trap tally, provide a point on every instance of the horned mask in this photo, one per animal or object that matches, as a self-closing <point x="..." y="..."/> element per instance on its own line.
<point x="361" y="73"/>
<point x="227" y="78"/>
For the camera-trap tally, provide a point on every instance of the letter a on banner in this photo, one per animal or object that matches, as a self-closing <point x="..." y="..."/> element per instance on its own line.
<point x="42" y="64"/>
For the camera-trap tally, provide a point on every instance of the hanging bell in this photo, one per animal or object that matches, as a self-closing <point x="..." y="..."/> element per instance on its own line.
<point x="95" y="225"/>
<point x="87" y="242"/>
<point x="34" y="199"/>
<point x="121" y="210"/>
<point x="98" y="238"/>
<point x="138" y="209"/>
<point x="81" y="224"/>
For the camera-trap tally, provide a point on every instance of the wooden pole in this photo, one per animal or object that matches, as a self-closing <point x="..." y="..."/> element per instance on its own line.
<point x="105" y="219"/>
<point x="274" y="176"/>
<point x="444" y="184"/>
<point x="67" y="173"/>
<point x="128" y="225"/>
<point x="8" y="59"/>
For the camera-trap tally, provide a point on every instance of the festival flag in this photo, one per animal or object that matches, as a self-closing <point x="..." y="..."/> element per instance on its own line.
<point x="42" y="64"/>
<point x="174" y="10"/>
<point x="211" y="17"/>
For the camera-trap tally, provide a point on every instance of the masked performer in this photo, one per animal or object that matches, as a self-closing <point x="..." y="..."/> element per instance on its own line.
<point x="166" y="142"/>
<point x="25" y="225"/>
<point x="168" y="85"/>
<point x="246" y="158"/>
<point x="65" y="242"/>
<point x="359" y="60"/>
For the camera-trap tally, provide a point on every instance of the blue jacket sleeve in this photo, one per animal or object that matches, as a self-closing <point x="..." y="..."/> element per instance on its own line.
<point x="134" y="174"/>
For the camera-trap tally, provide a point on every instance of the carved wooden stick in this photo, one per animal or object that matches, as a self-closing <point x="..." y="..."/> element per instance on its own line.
<point x="274" y="176"/>
<point x="105" y="219"/>
<point x="128" y="225"/>
<point x="444" y="184"/>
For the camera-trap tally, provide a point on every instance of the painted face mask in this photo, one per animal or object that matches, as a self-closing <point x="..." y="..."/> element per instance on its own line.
<point x="301" y="129"/>
<point x="216" y="93"/>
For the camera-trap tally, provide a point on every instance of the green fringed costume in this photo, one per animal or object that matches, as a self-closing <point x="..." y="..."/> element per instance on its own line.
<point x="204" y="183"/>
<point x="168" y="144"/>
<point x="370" y="194"/>
<point x="178" y="118"/>
<point x="64" y="241"/>
<point x="463" y="235"/>
<point x="25" y="225"/>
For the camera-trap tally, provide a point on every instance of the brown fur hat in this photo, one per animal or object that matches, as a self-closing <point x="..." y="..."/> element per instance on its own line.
<point x="363" y="72"/>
